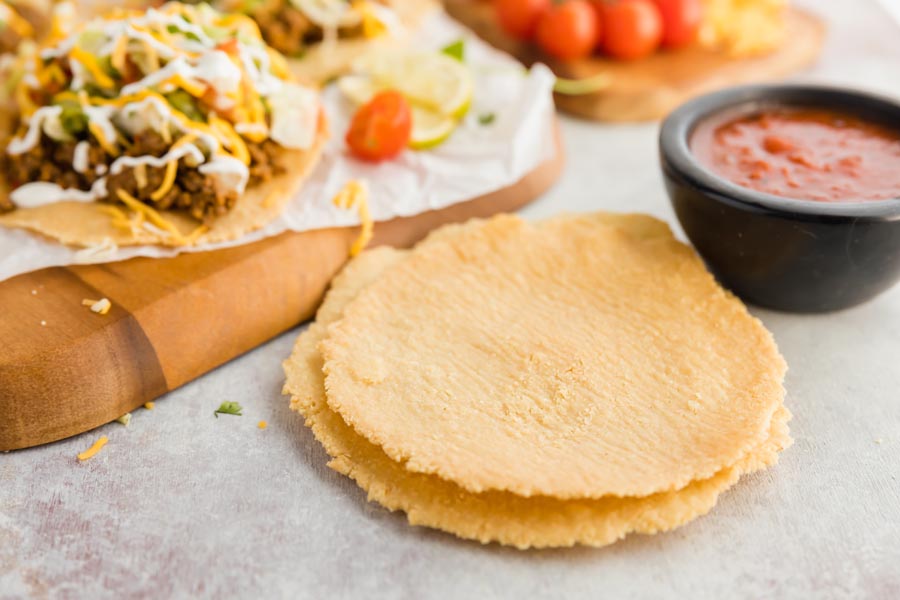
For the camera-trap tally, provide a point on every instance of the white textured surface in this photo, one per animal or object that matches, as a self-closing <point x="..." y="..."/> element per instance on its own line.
<point x="185" y="505"/>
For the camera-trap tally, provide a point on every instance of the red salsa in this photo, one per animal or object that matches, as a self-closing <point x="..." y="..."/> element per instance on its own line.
<point x="810" y="154"/>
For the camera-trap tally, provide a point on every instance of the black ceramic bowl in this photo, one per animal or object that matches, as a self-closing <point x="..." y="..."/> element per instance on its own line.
<point x="792" y="255"/>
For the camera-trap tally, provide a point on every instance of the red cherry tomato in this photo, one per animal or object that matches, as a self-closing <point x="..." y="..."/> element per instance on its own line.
<point x="681" y="21"/>
<point x="632" y="28"/>
<point x="519" y="18"/>
<point x="569" y="30"/>
<point x="381" y="128"/>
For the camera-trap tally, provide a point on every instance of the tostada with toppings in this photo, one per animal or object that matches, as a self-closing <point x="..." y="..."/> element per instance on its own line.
<point x="173" y="126"/>
<point x="322" y="38"/>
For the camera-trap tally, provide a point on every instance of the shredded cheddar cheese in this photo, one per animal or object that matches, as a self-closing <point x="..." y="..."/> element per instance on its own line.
<point x="356" y="195"/>
<point x="262" y="424"/>
<point x="230" y="139"/>
<point x="90" y="63"/>
<point x="168" y="181"/>
<point x="192" y="87"/>
<point x="149" y="405"/>
<point x="105" y="143"/>
<point x="119" y="54"/>
<point x="371" y="25"/>
<point x="140" y="175"/>
<point x="93" y="450"/>
<point x="153" y="216"/>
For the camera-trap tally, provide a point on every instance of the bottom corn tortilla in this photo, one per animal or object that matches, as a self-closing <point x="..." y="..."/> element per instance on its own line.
<point x="86" y="223"/>
<point x="503" y="517"/>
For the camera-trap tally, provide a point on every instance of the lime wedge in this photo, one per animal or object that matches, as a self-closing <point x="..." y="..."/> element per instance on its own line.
<point x="359" y="89"/>
<point x="430" y="128"/>
<point x="438" y="87"/>
<point x="430" y="79"/>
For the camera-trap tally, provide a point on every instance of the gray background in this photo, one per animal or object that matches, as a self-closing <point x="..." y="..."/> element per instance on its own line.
<point x="182" y="504"/>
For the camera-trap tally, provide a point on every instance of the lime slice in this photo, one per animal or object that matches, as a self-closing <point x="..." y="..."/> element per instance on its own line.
<point x="359" y="89"/>
<point x="430" y="79"/>
<point x="430" y="128"/>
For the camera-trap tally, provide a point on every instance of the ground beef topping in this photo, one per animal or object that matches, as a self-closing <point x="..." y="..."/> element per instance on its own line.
<point x="193" y="192"/>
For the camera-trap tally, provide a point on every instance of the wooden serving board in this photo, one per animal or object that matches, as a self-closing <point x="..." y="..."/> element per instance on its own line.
<point x="65" y="370"/>
<point x="650" y="88"/>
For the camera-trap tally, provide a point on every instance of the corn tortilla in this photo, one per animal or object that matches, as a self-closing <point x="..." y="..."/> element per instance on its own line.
<point x="491" y="516"/>
<point x="86" y="223"/>
<point x="608" y="364"/>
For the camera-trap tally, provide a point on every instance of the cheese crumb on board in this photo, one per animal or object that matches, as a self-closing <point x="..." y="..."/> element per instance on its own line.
<point x="93" y="450"/>
<point x="150" y="405"/>
<point x="101" y="307"/>
<point x="262" y="425"/>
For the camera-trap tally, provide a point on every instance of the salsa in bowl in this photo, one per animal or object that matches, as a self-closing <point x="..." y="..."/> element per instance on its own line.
<point x="790" y="193"/>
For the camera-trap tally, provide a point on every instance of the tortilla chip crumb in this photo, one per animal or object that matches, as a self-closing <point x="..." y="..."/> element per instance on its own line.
<point x="262" y="424"/>
<point x="150" y="405"/>
<point x="101" y="307"/>
<point x="125" y="419"/>
<point x="93" y="450"/>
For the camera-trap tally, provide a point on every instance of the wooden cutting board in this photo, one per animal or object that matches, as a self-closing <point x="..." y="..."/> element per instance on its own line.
<point x="649" y="89"/>
<point x="65" y="370"/>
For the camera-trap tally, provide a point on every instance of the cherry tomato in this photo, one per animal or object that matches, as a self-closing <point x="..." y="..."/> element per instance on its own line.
<point x="519" y="18"/>
<point x="381" y="128"/>
<point x="632" y="28"/>
<point x="681" y="21"/>
<point x="569" y="30"/>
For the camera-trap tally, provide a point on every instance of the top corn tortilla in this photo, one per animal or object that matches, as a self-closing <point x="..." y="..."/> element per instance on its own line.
<point x="85" y="223"/>
<point x="502" y="517"/>
<point x="607" y="365"/>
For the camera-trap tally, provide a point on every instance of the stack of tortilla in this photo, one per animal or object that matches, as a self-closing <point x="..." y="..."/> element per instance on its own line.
<point x="541" y="385"/>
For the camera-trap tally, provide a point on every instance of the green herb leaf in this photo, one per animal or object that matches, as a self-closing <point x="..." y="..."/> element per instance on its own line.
<point x="487" y="118"/>
<point x="456" y="50"/>
<point x="229" y="408"/>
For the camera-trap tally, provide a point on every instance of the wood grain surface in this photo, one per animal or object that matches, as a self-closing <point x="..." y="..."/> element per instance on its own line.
<point x="650" y="88"/>
<point x="65" y="370"/>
